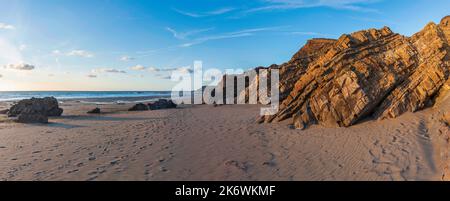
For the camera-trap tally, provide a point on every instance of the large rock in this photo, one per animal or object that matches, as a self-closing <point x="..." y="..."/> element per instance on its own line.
<point x="95" y="111"/>
<point x="370" y="73"/>
<point x="44" y="106"/>
<point x="139" y="107"/>
<point x="29" y="118"/>
<point x="162" y="104"/>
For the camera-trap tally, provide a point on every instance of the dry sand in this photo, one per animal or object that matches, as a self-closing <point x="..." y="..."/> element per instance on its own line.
<point x="220" y="143"/>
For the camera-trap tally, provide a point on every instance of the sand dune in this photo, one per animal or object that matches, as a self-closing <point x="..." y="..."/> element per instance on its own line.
<point x="220" y="143"/>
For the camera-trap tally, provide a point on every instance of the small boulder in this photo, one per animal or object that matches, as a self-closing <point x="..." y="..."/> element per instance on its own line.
<point x="162" y="104"/>
<point x="139" y="107"/>
<point x="95" y="111"/>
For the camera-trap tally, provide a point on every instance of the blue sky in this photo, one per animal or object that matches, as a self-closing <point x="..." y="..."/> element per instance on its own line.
<point x="134" y="44"/>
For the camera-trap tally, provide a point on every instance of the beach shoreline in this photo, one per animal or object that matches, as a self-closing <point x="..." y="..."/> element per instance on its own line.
<point x="203" y="142"/>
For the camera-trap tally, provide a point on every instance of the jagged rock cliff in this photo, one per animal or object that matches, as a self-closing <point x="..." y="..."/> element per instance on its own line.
<point x="373" y="72"/>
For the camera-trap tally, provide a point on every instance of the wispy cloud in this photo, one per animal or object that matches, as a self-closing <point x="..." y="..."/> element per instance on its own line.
<point x="235" y="34"/>
<point x="107" y="70"/>
<point x="74" y="53"/>
<point x="211" y="38"/>
<point x="80" y="53"/>
<point x="185" y="35"/>
<point x="306" y="33"/>
<point x="92" y="76"/>
<point x="138" y="68"/>
<point x="219" y="11"/>
<point x="23" y="47"/>
<point x="127" y="58"/>
<point x="20" y="66"/>
<point x="153" y="69"/>
<point x="9" y="52"/>
<point x="184" y="69"/>
<point x="6" y="26"/>
<point x="164" y="77"/>
<point x="367" y="19"/>
<point x="355" y="5"/>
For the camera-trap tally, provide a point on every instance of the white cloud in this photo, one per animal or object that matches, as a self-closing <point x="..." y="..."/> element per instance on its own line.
<point x="356" y="5"/>
<point x="127" y="58"/>
<point x="153" y="69"/>
<point x="185" y="69"/>
<point x="235" y="34"/>
<point x="159" y="70"/>
<point x="20" y="66"/>
<point x="107" y="70"/>
<point x="56" y="52"/>
<point x="23" y="47"/>
<point x="185" y="35"/>
<point x="6" y="26"/>
<point x="138" y="68"/>
<point x="164" y="77"/>
<point x="9" y="52"/>
<point x="219" y="11"/>
<point x="306" y="33"/>
<point x="80" y="53"/>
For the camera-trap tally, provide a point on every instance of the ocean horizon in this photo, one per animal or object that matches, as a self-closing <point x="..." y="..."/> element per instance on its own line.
<point x="68" y="95"/>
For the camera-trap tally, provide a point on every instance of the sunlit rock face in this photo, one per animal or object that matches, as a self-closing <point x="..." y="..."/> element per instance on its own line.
<point x="370" y="73"/>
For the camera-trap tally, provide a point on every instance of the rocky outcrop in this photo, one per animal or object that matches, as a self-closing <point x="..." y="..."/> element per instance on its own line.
<point x="289" y="72"/>
<point x="43" y="106"/>
<point x="162" y="104"/>
<point x="370" y="73"/>
<point x="139" y="107"/>
<point x="95" y="111"/>
<point x="31" y="116"/>
<point x="446" y="119"/>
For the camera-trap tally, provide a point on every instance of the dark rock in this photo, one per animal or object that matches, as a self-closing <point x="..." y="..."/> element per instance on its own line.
<point x="95" y="111"/>
<point x="162" y="104"/>
<point x="4" y="111"/>
<point x="139" y="107"/>
<point x="45" y="106"/>
<point x="30" y="115"/>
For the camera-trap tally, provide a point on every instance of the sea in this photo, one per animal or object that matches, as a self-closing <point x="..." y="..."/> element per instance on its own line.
<point x="71" y="95"/>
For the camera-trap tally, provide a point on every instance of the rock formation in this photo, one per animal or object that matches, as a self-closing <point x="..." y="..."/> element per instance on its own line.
<point x="446" y="119"/>
<point x="32" y="116"/>
<point x="139" y="107"/>
<point x="95" y="111"/>
<point x="370" y="73"/>
<point x="35" y="110"/>
<point x="162" y="104"/>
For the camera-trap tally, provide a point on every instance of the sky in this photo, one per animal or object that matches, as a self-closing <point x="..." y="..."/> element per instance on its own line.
<point x="118" y="45"/>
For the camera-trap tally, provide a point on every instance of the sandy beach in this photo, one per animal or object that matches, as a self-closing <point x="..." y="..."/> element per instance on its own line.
<point x="203" y="142"/>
